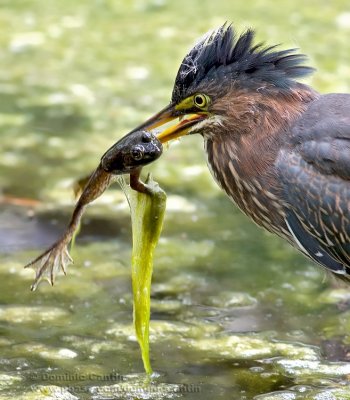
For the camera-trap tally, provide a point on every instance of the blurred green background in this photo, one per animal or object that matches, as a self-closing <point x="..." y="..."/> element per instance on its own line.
<point x="236" y="313"/>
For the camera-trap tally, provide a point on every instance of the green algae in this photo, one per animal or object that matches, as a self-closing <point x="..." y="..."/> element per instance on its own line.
<point x="147" y="215"/>
<point x="31" y="314"/>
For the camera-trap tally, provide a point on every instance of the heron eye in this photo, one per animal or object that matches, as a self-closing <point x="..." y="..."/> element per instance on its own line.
<point x="201" y="100"/>
<point x="137" y="153"/>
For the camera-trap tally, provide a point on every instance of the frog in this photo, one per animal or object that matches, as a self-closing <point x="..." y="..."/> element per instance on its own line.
<point x="127" y="156"/>
<point x="130" y="154"/>
<point x="132" y="151"/>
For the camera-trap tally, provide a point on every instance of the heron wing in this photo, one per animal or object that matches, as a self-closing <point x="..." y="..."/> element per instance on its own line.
<point x="315" y="172"/>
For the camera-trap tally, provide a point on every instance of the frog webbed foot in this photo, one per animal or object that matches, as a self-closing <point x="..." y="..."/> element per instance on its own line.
<point x="48" y="264"/>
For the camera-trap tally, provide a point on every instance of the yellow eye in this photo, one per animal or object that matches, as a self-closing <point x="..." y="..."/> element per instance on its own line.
<point x="201" y="101"/>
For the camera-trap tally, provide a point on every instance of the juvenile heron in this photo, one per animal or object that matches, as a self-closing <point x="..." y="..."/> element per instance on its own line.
<point x="279" y="149"/>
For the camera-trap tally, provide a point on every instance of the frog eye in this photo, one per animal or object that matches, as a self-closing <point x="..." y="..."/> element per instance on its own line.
<point x="146" y="137"/>
<point x="137" y="153"/>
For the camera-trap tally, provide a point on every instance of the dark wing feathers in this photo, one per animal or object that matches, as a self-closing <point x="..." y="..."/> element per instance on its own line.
<point x="315" y="171"/>
<point x="310" y="246"/>
<point x="330" y="155"/>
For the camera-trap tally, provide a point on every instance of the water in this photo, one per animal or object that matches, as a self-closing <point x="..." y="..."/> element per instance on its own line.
<point x="236" y="313"/>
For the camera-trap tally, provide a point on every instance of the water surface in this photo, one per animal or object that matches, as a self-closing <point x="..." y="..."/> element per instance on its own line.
<point x="236" y="313"/>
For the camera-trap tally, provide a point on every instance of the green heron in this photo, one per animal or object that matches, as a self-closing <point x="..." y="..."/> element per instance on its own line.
<point x="279" y="149"/>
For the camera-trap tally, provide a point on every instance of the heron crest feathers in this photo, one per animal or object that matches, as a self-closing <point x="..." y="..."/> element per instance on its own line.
<point x="220" y="54"/>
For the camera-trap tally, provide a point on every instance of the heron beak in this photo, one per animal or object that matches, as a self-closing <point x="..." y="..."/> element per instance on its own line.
<point x="180" y="129"/>
<point x="167" y="114"/>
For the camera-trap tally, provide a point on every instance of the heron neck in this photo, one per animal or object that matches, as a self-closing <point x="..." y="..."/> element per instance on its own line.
<point x="257" y="124"/>
<point x="242" y="156"/>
